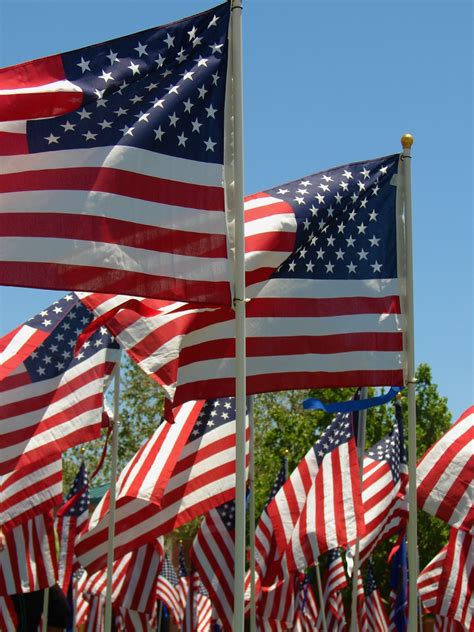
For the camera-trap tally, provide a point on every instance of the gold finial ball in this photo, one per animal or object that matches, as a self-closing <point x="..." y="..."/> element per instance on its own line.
<point x="180" y="541"/>
<point x="286" y="452"/>
<point x="407" y="141"/>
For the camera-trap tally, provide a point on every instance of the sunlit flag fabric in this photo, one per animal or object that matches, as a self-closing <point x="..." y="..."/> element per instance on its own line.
<point x="384" y="480"/>
<point x="326" y="303"/>
<point x="306" y="610"/>
<point x="71" y="520"/>
<point x="376" y="616"/>
<point x="54" y="400"/>
<point x="334" y="581"/>
<point x="446" y="584"/>
<point x="203" y="477"/>
<point x="202" y="616"/>
<point x="29" y="561"/>
<point x="361" y="607"/>
<point x="320" y="507"/>
<point x="276" y="604"/>
<point x="112" y="163"/>
<point x="167" y="589"/>
<point x="445" y="475"/>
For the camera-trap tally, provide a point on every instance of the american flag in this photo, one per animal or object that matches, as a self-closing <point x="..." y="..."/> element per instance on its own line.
<point x="185" y="591"/>
<point x="8" y="616"/>
<point x="306" y="610"/>
<point x="334" y="581"/>
<point x="384" y="480"/>
<point x="202" y="478"/>
<point x="361" y="607"/>
<point x="267" y="555"/>
<point x="30" y="490"/>
<point x="212" y="554"/>
<point x="325" y="305"/>
<point x="28" y="561"/>
<point x="399" y="587"/>
<point x="276" y="604"/>
<point x="202" y="605"/>
<point x="446" y="584"/>
<point x="442" y="624"/>
<point x="54" y="400"/>
<point x="72" y="519"/>
<point x="320" y="506"/>
<point x="113" y="179"/>
<point x="445" y="474"/>
<point x="167" y="589"/>
<point x="376" y="615"/>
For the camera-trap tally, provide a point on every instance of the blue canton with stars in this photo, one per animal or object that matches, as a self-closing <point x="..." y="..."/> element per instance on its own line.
<point x="82" y="503"/>
<point x="181" y="562"/>
<point x="214" y="413"/>
<point x="280" y="479"/>
<point x="346" y="223"/>
<point x="339" y="431"/>
<point x="226" y="512"/>
<point x="391" y="449"/>
<point x="66" y="319"/>
<point x="168" y="572"/>
<point x="161" y="89"/>
<point x="370" y="583"/>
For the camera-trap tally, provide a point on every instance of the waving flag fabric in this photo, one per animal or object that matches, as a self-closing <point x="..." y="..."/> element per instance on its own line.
<point x="72" y="519"/>
<point x="445" y="475"/>
<point x="320" y="507"/>
<point x="376" y="616"/>
<point x="399" y="587"/>
<point x="202" y="478"/>
<point x="362" y="615"/>
<point x="325" y="306"/>
<point x="202" y="605"/>
<point x="54" y="400"/>
<point x="167" y="590"/>
<point x="113" y="176"/>
<point x="306" y="610"/>
<point x="276" y="604"/>
<point x="8" y="616"/>
<point x="334" y="581"/>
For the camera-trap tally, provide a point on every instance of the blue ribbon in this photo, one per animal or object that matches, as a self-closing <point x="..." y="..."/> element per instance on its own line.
<point x="353" y="404"/>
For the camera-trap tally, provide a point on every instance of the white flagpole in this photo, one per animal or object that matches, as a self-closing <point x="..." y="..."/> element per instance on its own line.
<point x="239" y="305"/>
<point x="407" y="142"/>
<point x="45" y="609"/>
<point x="360" y="450"/>
<point x="112" y="492"/>
<point x="253" y="604"/>
<point x="321" y="597"/>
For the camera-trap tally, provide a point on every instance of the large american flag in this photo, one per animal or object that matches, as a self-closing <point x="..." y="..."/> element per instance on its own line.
<point x="202" y="478"/>
<point x="446" y="585"/>
<point x="445" y="475"/>
<point x="334" y="581"/>
<point x="384" y="480"/>
<point x="71" y="520"/>
<point x="29" y="561"/>
<point x="320" y="507"/>
<point x="376" y="615"/>
<point x="324" y="307"/>
<point x="54" y="400"/>
<point x="113" y="169"/>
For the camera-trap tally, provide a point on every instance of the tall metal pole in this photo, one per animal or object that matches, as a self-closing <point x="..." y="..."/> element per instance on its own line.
<point x="253" y="605"/>
<point x="412" y="531"/>
<point x="239" y="305"/>
<point x="112" y="494"/>
<point x="360" y="451"/>
<point x="44" y="626"/>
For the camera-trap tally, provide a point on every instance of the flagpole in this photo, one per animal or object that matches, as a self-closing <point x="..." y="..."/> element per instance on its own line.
<point x="362" y="420"/>
<point x="253" y="604"/>
<point x="239" y="305"/>
<point x="45" y="609"/>
<point x="112" y="493"/>
<point x="407" y="142"/>
<point x="321" y="597"/>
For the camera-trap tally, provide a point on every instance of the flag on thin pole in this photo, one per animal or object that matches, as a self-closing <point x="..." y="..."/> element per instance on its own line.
<point x="334" y="581"/>
<point x="112" y="160"/>
<point x="167" y="590"/>
<point x="325" y="308"/>
<point x="376" y="616"/>
<point x="399" y="587"/>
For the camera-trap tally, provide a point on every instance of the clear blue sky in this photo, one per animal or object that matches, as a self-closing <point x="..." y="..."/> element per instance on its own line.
<point x="327" y="83"/>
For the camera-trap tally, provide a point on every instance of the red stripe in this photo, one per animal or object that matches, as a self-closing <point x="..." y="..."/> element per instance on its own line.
<point x="36" y="105"/>
<point x="32" y="73"/>
<point x="270" y="241"/>
<point x="319" y="307"/>
<point x="56" y="276"/>
<point x="278" y="207"/>
<point x="118" y="182"/>
<point x="15" y="381"/>
<point x="27" y="347"/>
<point x="13" y="144"/>
<point x="113" y="231"/>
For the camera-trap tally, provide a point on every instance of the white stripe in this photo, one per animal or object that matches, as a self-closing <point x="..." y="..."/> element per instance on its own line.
<point x="119" y="157"/>
<point x="15" y="127"/>
<point x="114" y="206"/>
<point x="316" y="288"/>
<point x="284" y="223"/>
<point x="106" y="256"/>
<point x="21" y="337"/>
<point x="62" y="85"/>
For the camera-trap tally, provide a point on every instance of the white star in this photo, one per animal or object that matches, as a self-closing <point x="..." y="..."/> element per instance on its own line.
<point x="187" y="76"/>
<point x="215" y="48"/>
<point x="68" y="127"/>
<point x="361" y="186"/>
<point x="201" y="61"/>
<point x="347" y="174"/>
<point x="47" y="359"/>
<point x="169" y="41"/>
<point x="41" y="370"/>
<point x="120" y="111"/>
<point x="126" y="130"/>
<point x="327" y="178"/>
<point x="362" y="254"/>
<point x="309" y="266"/>
<point x="374" y="241"/>
<point x="135" y="68"/>
<point x="303" y="253"/>
<point x="314" y="210"/>
<point x="157" y="103"/>
<point x="52" y="139"/>
<point x="60" y="366"/>
<point x="338" y="197"/>
<point x="306" y="224"/>
<point x="136" y="99"/>
<point x="354" y="197"/>
<point x="363" y="203"/>
<point x="365" y="172"/>
<point x="89" y="135"/>
<point x="160" y="61"/>
<point x="142" y="116"/>
<point x="344" y="186"/>
<point x="196" y="125"/>
<point x="292" y="265"/>
<point x="172" y="88"/>
<point x="361" y="228"/>
<point x="192" y="33"/>
<point x="383" y="170"/>
<point x="373" y="216"/>
<point x="283" y="191"/>
<point x="352" y="215"/>
<point x="141" y="49"/>
<point x="84" y="65"/>
<point x="182" y="140"/>
<point x="166" y="73"/>
<point x="202" y="92"/>
<point x="46" y="322"/>
<point x="173" y="119"/>
<point x="376" y="266"/>
<point x="350" y="241"/>
<point x="209" y="144"/>
<point x="101" y="103"/>
<point x="106" y="76"/>
<point x="302" y="191"/>
<point x="331" y="241"/>
<point x="105" y="124"/>
<point x="188" y="105"/>
<point x="320" y="253"/>
<point x="151" y="86"/>
<point x="84" y="114"/>
<point x="329" y="267"/>
<point x="113" y="57"/>
<point x="330" y="211"/>
<point x="323" y="187"/>
<point x="376" y="189"/>
<point x="351" y="267"/>
<point x="123" y="85"/>
<point x="320" y="198"/>
<point x="340" y="227"/>
<point x="340" y="254"/>
<point x="158" y="133"/>
<point x="300" y="200"/>
<point x="213" y="22"/>
<point x="197" y="41"/>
